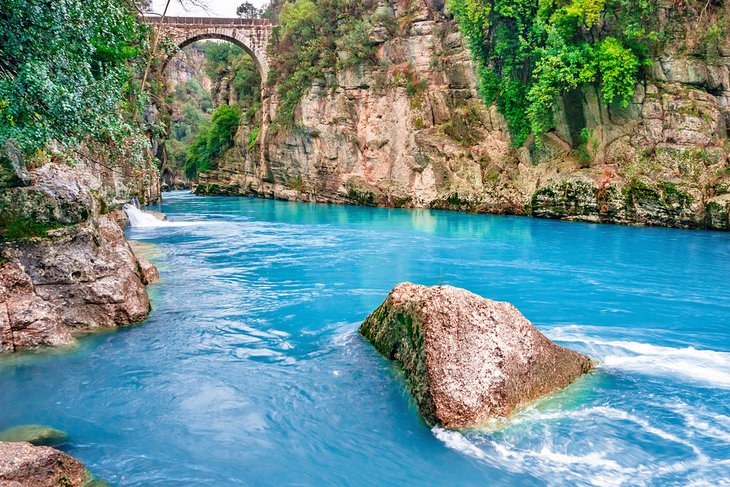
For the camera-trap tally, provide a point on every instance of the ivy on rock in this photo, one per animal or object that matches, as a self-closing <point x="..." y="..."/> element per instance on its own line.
<point x="529" y="52"/>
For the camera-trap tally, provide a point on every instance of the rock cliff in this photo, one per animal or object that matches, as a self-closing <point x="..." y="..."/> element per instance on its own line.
<point x="412" y="131"/>
<point x="467" y="359"/>
<point x="65" y="267"/>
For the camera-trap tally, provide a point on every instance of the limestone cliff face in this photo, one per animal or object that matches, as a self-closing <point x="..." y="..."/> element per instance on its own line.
<point x="413" y="132"/>
<point x="185" y="66"/>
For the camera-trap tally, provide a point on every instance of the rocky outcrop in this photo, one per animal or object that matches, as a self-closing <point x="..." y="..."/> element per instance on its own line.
<point x="412" y="131"/>
<point x="467" y="359"/>
<point x="188" y="64"/>
<point x="65" y="267"/>
<point x="25" y="465"/>
<point x="12" y="167"/>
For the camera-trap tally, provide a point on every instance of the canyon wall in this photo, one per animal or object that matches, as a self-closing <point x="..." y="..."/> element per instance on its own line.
<point x="412" y="131"/>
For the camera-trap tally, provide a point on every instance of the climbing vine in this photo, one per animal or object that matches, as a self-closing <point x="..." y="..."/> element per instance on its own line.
<point x="529" y="52"/>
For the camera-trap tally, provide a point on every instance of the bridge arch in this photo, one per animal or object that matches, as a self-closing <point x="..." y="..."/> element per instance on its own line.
<point x="251" y="35"/>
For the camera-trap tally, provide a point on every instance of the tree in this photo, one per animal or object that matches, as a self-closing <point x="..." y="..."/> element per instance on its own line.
<point x="63" y="69"/>
<point x="247" y="10"/>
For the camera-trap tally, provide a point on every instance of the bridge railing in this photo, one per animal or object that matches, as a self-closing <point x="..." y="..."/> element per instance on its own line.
<point x="151" y="19"/>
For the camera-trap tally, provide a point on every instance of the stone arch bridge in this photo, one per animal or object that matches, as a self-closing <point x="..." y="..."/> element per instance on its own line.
<point x="252" y="35"/>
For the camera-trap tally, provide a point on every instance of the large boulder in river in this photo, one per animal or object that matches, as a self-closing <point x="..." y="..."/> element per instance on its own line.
<point x="468" y="359"/>
<point x="25" y="465"/>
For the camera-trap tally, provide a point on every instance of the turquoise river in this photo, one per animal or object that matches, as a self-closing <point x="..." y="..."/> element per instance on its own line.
<point x="250" y="370"/>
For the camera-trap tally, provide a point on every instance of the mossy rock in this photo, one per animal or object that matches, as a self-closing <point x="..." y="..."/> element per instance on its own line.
<point x="34" y="434"/>
<point x="563" y="198"/>
<point x="13" y="172"/>
<point x="717" y="214"/>
<point x="360" y="192"/>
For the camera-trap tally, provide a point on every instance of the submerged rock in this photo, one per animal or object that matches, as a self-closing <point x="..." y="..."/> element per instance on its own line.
<point x="34" y="434"/>
<point x="25" y="465"/>
<point x="468" y="359"/>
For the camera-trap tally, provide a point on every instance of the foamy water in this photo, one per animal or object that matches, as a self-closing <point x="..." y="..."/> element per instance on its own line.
<point x="142" y="219"/>
<point x="706" y="367"/>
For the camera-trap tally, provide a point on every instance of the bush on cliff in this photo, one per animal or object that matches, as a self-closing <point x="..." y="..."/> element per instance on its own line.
<point x="313" y="37"/>
<point x="529" y="52"/>
<point x="213" y="140"/>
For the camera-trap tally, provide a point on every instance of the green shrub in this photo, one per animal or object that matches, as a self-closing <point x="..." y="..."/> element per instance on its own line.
<point x="212" y="140"/>
<point x="64" y="72"/>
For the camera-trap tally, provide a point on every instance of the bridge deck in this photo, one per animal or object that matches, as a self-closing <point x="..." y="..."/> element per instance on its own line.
<point x="203" y="21"/>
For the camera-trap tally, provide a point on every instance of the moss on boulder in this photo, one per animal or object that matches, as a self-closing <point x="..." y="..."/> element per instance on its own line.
<point x="467" y="359"/>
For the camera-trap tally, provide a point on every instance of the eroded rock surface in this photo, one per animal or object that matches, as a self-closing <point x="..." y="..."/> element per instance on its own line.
<point x="65" y="266"/>
<point x="25" y="465"/>
<point x="468" y="359"/>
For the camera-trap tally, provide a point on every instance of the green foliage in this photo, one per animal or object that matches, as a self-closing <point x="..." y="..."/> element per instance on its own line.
<point x="196" y="139"/>
<point x="64" y="70"/>
<point x="253" y="137"/>
<point x="588" y="147"/>
<point x="224" y="60"/>
<point x="247" y="10"/>
<point x="12" y="229"/>
<point x="212" y="140"/>
<point x="530" y="52"/>
<point x="315" y="37"/>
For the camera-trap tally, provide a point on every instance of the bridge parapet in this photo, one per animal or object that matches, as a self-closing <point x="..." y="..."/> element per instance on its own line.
<point x="204" y="21"/>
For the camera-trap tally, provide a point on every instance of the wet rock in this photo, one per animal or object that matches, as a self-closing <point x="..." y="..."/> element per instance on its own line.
<point x="468" y="359"/>
<point x="88" y="273"/>
<point x="27" y="321"/>
<point x="147" y="271"/>
<point x="25" y="465"/>
<point x="34" y="434"/>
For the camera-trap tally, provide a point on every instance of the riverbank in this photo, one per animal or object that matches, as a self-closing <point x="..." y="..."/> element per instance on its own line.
<point x="65" y="266"/>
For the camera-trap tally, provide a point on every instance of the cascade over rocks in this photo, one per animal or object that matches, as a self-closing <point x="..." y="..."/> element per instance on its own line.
<point x="468" y="359"/>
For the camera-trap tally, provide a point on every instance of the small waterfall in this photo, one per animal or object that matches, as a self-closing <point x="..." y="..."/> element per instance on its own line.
<point x="138" y="218"/>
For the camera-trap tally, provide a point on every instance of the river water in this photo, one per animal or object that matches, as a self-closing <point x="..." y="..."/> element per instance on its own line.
<point x="250" y="371"/>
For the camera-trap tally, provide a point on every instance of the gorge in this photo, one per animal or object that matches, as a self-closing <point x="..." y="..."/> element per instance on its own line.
<point x="253" y="191"/>
<point x="409" y="129"/>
